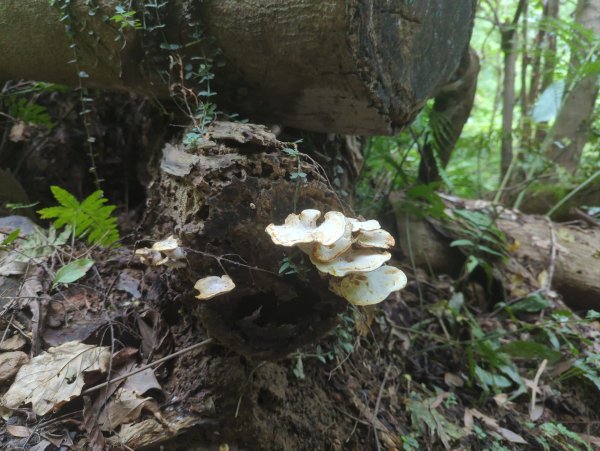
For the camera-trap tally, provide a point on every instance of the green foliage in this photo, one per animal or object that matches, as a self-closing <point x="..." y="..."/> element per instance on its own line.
<point x="73" y="271"/>
<point x="558" y="436"/>
<point x="91" y="218"/>
<point x="125" y="18"/>
<point x="293" y="151"/>
<point x="26" y="110"/>
<point x="289" y="266"/>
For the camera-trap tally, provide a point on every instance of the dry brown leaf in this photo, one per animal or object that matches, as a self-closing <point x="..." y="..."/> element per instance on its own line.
<point x="10" y="362"/>
<point x="18" y="431"/>
<point x="55" y="377"/>
<point x="453" y="380"/>
<point x="125" y="406"/>
<point x="94" y="438"/>
<point x="142" y="382"/>
<point x="512" y="437"/>
<point x="14" y="343"/>
<point x="41" y="446"/>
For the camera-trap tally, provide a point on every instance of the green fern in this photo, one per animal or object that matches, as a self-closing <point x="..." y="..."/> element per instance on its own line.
<point x="90" y="219"/>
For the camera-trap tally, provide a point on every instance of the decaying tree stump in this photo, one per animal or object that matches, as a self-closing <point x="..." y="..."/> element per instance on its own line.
<point x="218" y="199"/>
<point x="564" y="257"/>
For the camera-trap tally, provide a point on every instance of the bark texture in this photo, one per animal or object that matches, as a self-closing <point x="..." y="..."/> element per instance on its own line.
<point x="346" y="66"/>
<point x="570" y="133"/>
<point x="218" y="199"/>
<point x="451" y="111"/>
<point x="539" y="249"/>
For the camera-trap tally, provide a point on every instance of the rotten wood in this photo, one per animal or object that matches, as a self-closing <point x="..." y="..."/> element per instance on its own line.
<point x="219" y="198"/>
<point x="564" y="256"/>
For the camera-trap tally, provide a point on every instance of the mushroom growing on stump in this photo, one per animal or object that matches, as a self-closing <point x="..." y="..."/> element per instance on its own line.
<point x="356" y="260"/>
<point x="218" y="199"/>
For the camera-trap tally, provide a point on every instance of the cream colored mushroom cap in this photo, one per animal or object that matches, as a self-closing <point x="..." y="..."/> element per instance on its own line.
<point x="302" y="229"/>
<point x="375" y="238"/>
<point x="369" y="225"/>
<point x="361" y="260"/>
<point x="368" y="288"/>
<point x="168" y="244"/>
<point x="328" y="253"/>
<point x="212" y="286"/>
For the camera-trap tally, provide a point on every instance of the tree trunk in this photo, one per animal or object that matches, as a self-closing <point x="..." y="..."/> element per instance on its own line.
<point x="564" y="257"/>
<point x="346" y="66"/>
<point x="572" y="126"/>
<point x="451" y="111"/>
<point x="509" y="38"/>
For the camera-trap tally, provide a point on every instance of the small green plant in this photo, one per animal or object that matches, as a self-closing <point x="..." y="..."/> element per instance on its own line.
<point x="90" y="218"/>
<point x="481" y="240"/>
<point x="289" y="267"/>
<point x="28" y="111"/>
<point x="126" y="18"/>
<point x="298" y="174"/>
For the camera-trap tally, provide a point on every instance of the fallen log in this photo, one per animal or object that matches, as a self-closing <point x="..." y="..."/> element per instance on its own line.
<point x="345" y="66"/>
<point x="542" y="254"/>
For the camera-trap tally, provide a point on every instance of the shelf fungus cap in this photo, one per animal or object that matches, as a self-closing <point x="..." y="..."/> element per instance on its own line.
<point x="368" y="288"/>
<point x="302" y="229"/>
<point x="212" y="286"/>
<point x="366" y="226"/>
<point x="375" y="238"/>
<point x="356" y="260"/>
<point x="326" y="254"/>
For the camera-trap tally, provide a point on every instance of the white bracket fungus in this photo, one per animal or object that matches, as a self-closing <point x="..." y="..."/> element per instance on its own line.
<point x="212" y="286"/>
<point x="371" y="287"/>
<point x="350" y="250"/>
<point x="302" y="228"/>
<point x="361" y="260"/>
<point x="166" y="252"/>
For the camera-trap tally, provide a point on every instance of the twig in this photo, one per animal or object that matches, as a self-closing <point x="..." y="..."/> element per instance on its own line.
<point x="534" y="388"/>
<point x="377" y="403"/>
<point x="149" y="365"/>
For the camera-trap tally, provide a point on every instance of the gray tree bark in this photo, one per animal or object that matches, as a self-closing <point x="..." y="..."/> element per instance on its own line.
<point x="570" y="133"/>
<point x="346" y="66"/>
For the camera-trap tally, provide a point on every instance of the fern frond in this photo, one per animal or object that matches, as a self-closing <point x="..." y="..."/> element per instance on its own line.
<point x="90" y="218"/>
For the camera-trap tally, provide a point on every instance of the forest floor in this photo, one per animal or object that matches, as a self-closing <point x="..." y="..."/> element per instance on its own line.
<point x="436" y="366"/>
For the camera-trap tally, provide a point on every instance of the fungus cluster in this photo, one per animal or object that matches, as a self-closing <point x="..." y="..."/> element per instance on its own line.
<point x="166" y="252"/>
<point x="169" y="252"/>
<point x="351" y="252"/>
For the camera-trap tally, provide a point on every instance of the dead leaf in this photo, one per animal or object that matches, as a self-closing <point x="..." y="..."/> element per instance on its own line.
<point x="18" y="431"/>
<point x="94" y="438"/>
<point x="55" y="377"/>
<point x="512" y="436"/>
<point x="10" y="362"/>
<point x="41" y="446"/>
<point x="536" y="412"/>
<point x="143" y="382"/>
<point x="73" y="315"/>
<point x="453" y="380"/>
<point x="129" y="283"/>
<point x="124" y="406"/>
<point x="489" y="422"/>
<point x="14" y="343"/>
